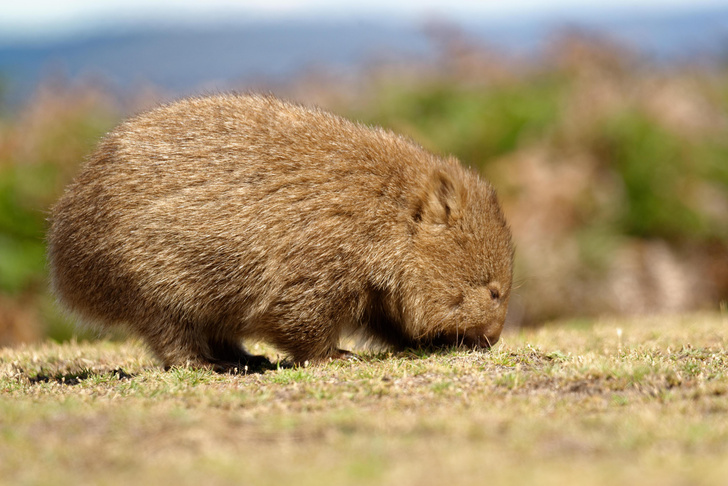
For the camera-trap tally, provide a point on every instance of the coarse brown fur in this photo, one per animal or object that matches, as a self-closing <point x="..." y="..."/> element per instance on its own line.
<point x="211" y="220"/>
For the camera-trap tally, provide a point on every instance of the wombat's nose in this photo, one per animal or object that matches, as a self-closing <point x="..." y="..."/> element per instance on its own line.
<point x="479" y="339"/>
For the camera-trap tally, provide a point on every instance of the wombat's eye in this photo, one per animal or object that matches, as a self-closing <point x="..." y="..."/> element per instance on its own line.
<point x="494" y="294"/>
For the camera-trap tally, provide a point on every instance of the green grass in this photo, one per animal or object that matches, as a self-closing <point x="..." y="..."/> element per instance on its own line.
<point x="642" y="401"/>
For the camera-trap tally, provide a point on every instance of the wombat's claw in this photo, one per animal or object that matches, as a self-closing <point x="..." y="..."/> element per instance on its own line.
<point x="344" y="355"/>
<point x="284" y="364"/>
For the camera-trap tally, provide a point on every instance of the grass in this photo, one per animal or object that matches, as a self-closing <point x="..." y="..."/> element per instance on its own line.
<point x="642" y="401"/>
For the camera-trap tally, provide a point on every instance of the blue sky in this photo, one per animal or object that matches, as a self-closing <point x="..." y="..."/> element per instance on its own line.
<point x="32" y="18"/>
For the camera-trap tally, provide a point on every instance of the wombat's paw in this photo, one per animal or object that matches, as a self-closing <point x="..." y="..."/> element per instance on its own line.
<point x="344" y="354"/>
<point x="249" y="364"/>
<point x="243" y="366"/>
<point x="336" y="354"/>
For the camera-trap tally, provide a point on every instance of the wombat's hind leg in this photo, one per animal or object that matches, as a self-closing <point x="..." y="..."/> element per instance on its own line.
<point x="180" y="343"/>
<point x="228" y="356"/>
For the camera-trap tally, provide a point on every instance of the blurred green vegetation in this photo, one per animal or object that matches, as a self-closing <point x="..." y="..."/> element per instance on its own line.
<point x="614" y="177"/>
<point x="472" y="123"/>
<point x="41" y="147"/>
<point x="661" y="171"/>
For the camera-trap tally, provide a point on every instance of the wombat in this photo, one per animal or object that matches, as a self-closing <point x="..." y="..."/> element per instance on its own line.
<point x="216" y="219"/>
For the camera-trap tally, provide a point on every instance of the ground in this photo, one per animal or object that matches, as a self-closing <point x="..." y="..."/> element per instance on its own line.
<point x="641" y="401"/>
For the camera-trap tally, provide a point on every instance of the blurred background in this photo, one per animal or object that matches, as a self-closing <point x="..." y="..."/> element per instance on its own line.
<point x="605" y="129"/>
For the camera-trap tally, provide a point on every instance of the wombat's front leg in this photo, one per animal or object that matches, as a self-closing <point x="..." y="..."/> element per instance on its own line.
<point x="306" y="341"/>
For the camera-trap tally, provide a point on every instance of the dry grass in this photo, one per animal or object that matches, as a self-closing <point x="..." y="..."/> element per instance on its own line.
<point x="579" y="402"/>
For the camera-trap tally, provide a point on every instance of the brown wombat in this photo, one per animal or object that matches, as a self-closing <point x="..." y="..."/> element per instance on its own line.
<point x="211" y="220"/>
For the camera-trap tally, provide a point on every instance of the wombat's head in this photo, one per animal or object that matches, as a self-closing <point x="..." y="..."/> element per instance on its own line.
<point x="460" y="272"/>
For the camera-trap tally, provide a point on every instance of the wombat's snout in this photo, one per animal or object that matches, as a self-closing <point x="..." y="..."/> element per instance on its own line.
<point x="476" y="338"/>
<point x="481" y="338"/>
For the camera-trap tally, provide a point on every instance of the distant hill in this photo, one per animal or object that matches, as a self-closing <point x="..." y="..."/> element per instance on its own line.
<point x="209" y="57"/>
<point x="216" y="57"/>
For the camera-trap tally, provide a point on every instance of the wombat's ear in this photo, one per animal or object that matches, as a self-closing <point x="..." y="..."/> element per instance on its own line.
<point x="440" y="203"/>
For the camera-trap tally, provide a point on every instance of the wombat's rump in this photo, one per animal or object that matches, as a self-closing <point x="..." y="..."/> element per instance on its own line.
<point x="211" y="220"/>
